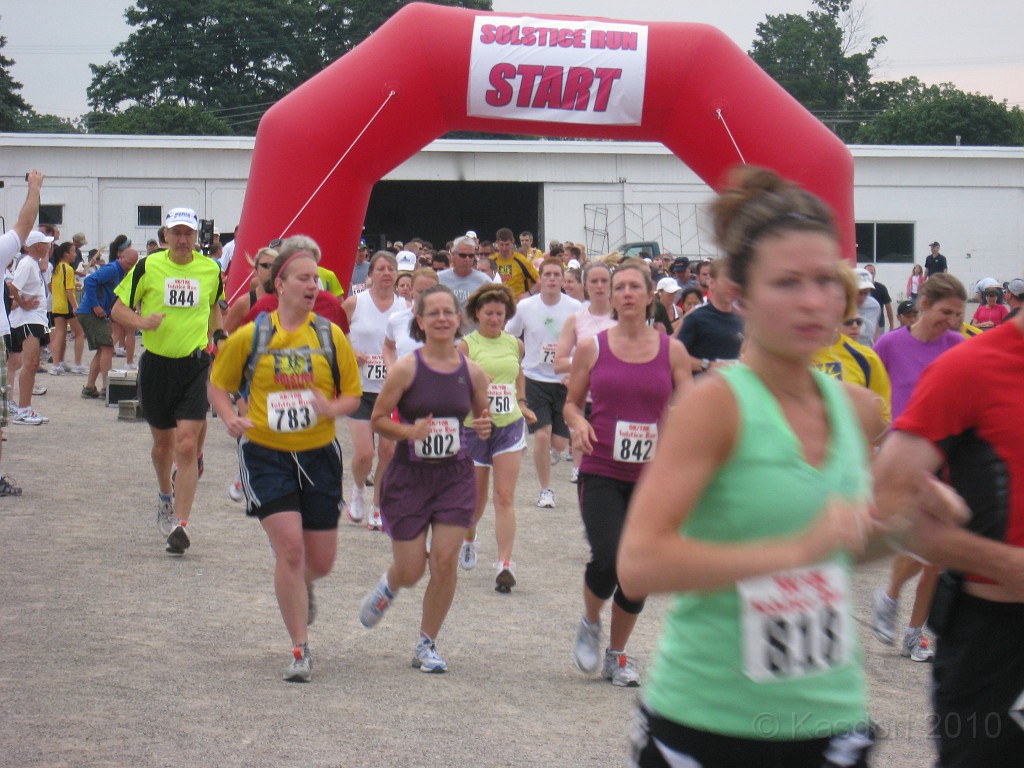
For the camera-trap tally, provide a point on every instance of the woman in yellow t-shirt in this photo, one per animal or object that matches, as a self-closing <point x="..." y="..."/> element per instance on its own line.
<point x="289" y="459"/>
<point x="65" y="304"/>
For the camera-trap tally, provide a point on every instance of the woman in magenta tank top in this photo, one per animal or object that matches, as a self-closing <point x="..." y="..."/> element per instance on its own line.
<point x="430" y="486"/>
<point x="631" y="372"/>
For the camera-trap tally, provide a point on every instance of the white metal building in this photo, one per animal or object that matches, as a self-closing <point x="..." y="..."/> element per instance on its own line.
<point x="600" y="193"/>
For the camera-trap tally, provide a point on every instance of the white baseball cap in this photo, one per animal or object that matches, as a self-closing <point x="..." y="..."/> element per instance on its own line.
<point x="406" y="261"/>
<point x="185" y="216"/>
<point x="35" y="236"/>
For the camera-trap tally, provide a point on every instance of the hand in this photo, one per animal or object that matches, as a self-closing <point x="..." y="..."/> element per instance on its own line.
<point x="482" y="424"/>
<point x="151" y="322"/>
<point x="98" y="311"/>
<point x="842" y="525"/>
<point x="420" y="428"/>
<point x="35" y="179"/>
<point x="321" y="405"/>
<point x="237" y="425"/>
<point x="360" y="358"/>
<point x="530" y="416"/>
<point x="583" y="440"/>
<point x="28" y="302"/>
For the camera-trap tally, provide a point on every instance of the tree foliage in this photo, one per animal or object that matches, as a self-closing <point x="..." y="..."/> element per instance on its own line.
<point x="811" y="56"/>
<point x="159" y="120"/>
<point x="945" y="115"/>
<point x="33" y="122"/>
<point x="233" y="58"/>
<point x="13" y="106"/>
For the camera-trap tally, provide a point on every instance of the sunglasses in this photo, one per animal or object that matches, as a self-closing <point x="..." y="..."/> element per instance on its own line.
<point x="854" y="321"/>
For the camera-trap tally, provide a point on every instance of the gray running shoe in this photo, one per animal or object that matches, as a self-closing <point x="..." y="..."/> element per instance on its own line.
<point x="917" y="647"/>
<point x="620" y="669"/>
<point x="178" y="540"/>
<point x="165" y="516"/>
<point x="301" y="668"/>
<point x="427" y="659"/>
<point x="8" y="487"/>
<point x="884" y="612"/>
<point x="311" y="610"/>
<point x="587" y="651"/>
<point x="376" y="603"/>
<point x="506" y="578"/>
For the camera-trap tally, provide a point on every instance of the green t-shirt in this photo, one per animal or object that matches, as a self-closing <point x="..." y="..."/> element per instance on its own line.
<point x="774" y="657"/>
<point x="184" y="293"/>
<point x="499" y="358"/>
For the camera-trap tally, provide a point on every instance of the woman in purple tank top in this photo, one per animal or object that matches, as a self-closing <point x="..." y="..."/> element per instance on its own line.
<point x="631" y="372"/>
<point x="430" y="484"/>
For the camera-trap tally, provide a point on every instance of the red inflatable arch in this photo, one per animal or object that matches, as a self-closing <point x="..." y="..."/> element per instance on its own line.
<point x="320" y="150"/>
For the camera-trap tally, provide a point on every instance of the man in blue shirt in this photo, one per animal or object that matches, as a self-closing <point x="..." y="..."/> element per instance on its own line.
<point x="94" y="315"/>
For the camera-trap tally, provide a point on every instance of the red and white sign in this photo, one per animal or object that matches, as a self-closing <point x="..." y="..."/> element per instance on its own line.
<point x="557" y="70"/>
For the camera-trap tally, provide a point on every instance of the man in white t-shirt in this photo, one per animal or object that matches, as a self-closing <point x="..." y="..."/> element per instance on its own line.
<point x="539" y="320"/>
<point x="870" y="311"/>
<point x="30" y="329"/>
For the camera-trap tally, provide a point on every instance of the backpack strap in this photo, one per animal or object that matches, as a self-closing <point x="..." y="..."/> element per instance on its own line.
<point x="322" y="326"/>
<point x="528" y="280"/>
<point x="263" y="331"/>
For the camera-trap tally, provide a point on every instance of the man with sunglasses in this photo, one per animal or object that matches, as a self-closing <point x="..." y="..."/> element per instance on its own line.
<point x="463" y="277"/>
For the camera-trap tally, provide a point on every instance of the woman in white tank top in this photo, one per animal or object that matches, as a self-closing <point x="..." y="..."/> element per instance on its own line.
<point x="368" y="314"/>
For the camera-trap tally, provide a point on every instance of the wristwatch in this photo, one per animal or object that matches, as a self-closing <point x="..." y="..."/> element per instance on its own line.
<point x="704" y="363"/>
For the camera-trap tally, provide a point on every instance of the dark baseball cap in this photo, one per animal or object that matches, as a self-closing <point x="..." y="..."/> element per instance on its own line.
<point x="906" y="307"/>
<point x="933" y="245"/>
<point x="680" y="264"/>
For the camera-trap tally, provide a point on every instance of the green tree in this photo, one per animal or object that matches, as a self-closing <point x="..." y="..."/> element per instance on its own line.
<point x="162" y="119"/>
<point x="33" y="122"/>
<point x="12" y="106"/>
<point x="233" y="58"/>
<point x="813" y="57"/>
<point x="942" y="113"/>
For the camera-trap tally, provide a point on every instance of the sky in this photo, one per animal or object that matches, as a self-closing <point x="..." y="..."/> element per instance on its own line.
<point x="975" y="46"/>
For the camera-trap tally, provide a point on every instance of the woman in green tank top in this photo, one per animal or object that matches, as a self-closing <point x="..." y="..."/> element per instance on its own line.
<point x="754" y="531"/>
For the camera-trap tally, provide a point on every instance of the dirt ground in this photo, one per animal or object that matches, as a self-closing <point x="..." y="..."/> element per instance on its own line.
<point x="116" y="654"/>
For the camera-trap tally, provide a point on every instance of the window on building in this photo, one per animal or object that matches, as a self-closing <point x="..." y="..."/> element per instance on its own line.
<point x="52" y="214"/>
<point x="885" y="243"/>
<point x="150" y="216"/>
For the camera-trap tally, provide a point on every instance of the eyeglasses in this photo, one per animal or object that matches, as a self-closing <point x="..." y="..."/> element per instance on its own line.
<point x="471" y="255"/>
<point x="853" y="321"/>
<point x="436" y="313"/>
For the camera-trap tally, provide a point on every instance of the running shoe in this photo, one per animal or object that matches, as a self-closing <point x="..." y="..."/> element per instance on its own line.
<point x="574" y="476"/>
<point x="568" y="453"/>
<point x="356" y="506"/>
<point x="235" y="492"/>
<point x="467" y="555"/>
<point x="178" y="541"/>
<point x="426" y="658"/>
<point x="311" y="600"/>
<point x="301" y="668"/>
<point x="119" y="351"/>
<point x="884" y="612"/>
<point x="27" y="418"/>
<point x="34" y="412"/>
<point x="79" y="370"/>
<point x="376" y="603"/>
<point x="91" y="393"/>
<point x="7" y="486"/>
<point x="587" y="651"/>
<point x="374" y="523"/>
<point x="620" y="669"/>
<point x="547" y="499"/>
<point x="555" y="457"/>
<point x="38" y="389"/>
<point x="506" y="578"/>
<point x="56" y="370"/>
<point x="165" y="516"/>
<point x="917" y="647"/>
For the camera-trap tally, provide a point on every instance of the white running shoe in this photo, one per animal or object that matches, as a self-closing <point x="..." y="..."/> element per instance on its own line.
<point x="376" y="603"/>
<point x="884" y="612"/>
<point x="79" y="370"/>
<point x="587" y="651"/>
<point x="374" y="523"/>
<point x="467" y="555"/>
<point x="235" y="492"/>
<point x="547" y="499"/>
<point x="917" y="647"/>
<point x="620" y="669"/>
<point x="427" y="658"/>
<point x="26" y="417"/>
<point x="301" y="668"/>
<point x="356" y="505"/>
<point x="555" y="457"/>
<point x="56" y="370"/>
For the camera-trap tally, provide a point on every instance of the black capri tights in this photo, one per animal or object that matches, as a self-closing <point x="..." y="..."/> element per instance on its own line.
<point x="603" y="504"/>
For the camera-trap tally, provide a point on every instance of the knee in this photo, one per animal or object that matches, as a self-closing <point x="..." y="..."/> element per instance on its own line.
<point x="600" y="579"/>
<point x="185" y="444"/>
<point x="408" y="573"/>
<point x="628" y="605"/>
<point x="319" y="564"/>
<point x="290" y="554"/>
<point x="504" y="499"/>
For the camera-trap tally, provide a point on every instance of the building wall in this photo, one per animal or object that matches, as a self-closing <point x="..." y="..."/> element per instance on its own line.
<point x="599" y="193"/>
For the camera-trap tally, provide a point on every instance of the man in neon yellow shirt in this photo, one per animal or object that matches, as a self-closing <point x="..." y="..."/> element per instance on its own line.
<point x="176" y="294"/>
